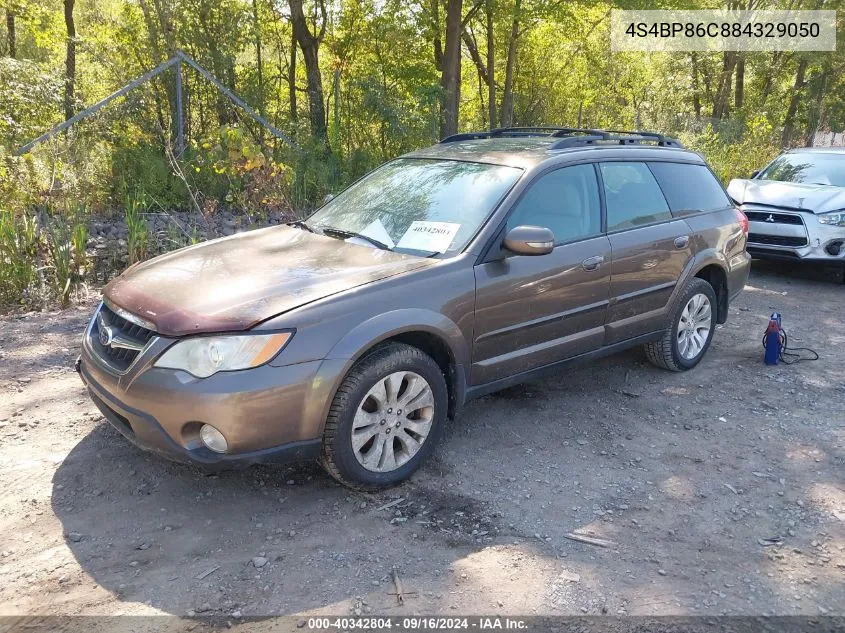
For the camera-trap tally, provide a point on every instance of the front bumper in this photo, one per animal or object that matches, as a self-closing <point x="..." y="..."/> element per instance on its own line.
<point x="266" y="413"/>
<point x="803" y="239"/>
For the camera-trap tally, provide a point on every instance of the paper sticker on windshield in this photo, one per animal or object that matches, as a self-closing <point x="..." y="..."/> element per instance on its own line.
<point x="429" y="236"/>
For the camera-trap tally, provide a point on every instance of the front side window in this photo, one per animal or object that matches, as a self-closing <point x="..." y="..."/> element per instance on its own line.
<point x="419" y="206"/>
<point x="807" y="168"/>
<point x="632" y="196"/>
<point x="689" y="187"/>
<point x="565" y="200"/>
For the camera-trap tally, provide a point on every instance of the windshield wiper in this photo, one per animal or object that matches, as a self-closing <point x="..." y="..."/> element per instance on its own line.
<point x="332" y="231"/>
<point x="301" y="224"/>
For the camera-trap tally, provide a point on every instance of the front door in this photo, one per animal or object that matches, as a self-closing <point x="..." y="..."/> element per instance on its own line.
<point x="650" y="248"/>
<point x="535" y="310"/>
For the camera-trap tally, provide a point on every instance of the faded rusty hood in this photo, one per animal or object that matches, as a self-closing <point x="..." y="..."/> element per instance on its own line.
<point x="789" y="195"/>
<point x="236" y="282"/>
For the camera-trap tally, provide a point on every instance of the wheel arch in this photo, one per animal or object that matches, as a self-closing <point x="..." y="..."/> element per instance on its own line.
<point x="715" y="274"/>
<point x="431" y="332"/>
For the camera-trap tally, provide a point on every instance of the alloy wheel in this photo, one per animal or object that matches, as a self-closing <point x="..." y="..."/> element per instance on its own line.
<point x="392" y="421"/>
<point x="694" y="326"/>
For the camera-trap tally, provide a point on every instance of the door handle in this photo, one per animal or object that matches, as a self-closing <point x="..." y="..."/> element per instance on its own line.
<point x="592" y="263"/>
<point x="682" y="241"/>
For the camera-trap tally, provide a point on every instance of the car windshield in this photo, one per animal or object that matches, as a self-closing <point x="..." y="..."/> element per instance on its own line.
<point x="808" y="169"/>
<point x="417" y="206"/>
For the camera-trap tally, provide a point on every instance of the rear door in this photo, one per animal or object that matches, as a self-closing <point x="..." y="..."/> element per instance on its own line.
<point x="535" y="310"/>
<point x="650" y="250"/>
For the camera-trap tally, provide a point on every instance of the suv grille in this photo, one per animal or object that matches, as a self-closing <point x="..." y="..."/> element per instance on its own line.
<point x="776" y="218"/>
<point x="127" y="339"/>
<point x="777" y="240"/>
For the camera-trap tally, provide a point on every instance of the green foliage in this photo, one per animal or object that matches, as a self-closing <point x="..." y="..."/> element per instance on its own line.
<point x="18" y="245"/>
<point x="736" y="153"/>
<point x="231" y="169"/>
<point x="30" y="97"/>
<point x="145" y="168"/>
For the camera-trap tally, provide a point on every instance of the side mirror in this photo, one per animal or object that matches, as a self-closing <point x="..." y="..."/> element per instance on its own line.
<point x="329" y="197"/>
<point x="529" y="240"/>
<point x="755" y="173"/>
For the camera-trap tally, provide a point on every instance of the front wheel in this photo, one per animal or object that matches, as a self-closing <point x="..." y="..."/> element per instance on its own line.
<point x="385" y="419"/>
<point x="686" y="341"/>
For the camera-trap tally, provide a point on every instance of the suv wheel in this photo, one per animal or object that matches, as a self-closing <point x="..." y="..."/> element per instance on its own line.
<point x="385" y="419"/>
<point x="686" y="341"/>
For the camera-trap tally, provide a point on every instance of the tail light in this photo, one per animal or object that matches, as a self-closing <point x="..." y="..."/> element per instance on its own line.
<point x="743" y="220"/>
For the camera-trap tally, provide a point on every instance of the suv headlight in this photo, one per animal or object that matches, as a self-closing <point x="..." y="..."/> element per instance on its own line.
<point x="203" y="356"/>
<point x="835" y="218"/>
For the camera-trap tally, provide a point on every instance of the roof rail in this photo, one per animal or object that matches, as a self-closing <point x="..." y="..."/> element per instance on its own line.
<point x="615" y="137"/>
<point x="465" y="136"/>
<point x="571" y="137"/>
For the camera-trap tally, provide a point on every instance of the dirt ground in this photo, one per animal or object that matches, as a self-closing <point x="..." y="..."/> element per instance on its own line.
<point x="687" y="475"/>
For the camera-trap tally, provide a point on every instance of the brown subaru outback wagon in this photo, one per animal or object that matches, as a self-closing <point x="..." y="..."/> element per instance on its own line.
<point x="451" y="272"/>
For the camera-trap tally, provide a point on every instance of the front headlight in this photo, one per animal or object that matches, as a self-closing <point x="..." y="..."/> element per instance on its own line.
<point x="836" y="218"/>
<point x="206" y="355"/>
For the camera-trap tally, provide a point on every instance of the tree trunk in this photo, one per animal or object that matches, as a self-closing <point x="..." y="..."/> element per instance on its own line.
<point x="155" y="34"/>
<point x="257" y="20"/>
<point x="696" y="91"/>
<point x="723" y="94"/>
<point x="769" y="76"/>
<point x="483" y="78"/>
<point x="292" y="78"/>
<point x="739" y="89"/>
<point x="491" y="63"/>
<point x="797" y="88"/>
<point x="450" y="77"/>
<point x="507" y="95"/>
<point x="472" y="47"/>
<point x="816" y="110"/>
<point x="438" y="42"/>
<point x="10" y="29"/>
<point x="309" y="44"/>
<point x="70" y="59"/>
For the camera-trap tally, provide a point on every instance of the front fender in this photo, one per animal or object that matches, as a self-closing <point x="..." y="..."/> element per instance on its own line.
<point x="383" y="326"/>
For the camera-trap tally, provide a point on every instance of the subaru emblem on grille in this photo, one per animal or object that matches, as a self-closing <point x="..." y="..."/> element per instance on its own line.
<point x="771" y="218"/>
<point x="106" y="335"/>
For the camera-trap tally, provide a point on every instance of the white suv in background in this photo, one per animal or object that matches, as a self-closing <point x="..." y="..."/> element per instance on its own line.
<point x="796" y="207"/>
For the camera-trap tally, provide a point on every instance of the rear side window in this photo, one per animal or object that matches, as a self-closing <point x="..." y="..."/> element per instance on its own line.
<point x="632" y="196"/>
<point x="689" y="187"/>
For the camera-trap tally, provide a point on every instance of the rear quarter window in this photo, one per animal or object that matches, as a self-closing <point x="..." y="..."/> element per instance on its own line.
<point x="689" y="188"/>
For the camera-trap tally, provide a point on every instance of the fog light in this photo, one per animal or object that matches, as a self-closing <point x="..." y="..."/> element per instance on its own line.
<point x="213" y="439"/>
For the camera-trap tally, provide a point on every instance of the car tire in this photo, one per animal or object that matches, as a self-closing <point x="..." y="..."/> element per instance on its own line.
<point x="366" y="415"/>
<point x="685" y="342"/>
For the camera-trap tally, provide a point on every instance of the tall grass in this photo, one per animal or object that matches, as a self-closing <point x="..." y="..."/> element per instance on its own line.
<point x="62" y="253"/>
<point x="136" y="225"/>
<point x="79" y="240"/>
<point x="18" y="272"/>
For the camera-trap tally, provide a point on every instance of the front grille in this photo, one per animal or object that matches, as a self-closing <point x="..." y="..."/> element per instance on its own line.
<point x="777" y="240"/>
<point x="774" y="218"/>
<point x="119" y="358"/>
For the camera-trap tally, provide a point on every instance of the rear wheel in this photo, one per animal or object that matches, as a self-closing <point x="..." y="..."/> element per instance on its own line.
<point x="686" y="341"/>
<point x="385" y="419"/>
